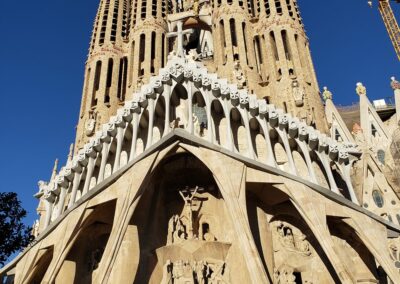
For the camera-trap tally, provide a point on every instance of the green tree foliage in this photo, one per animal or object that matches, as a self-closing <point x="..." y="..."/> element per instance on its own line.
<point x="14" y="235"/>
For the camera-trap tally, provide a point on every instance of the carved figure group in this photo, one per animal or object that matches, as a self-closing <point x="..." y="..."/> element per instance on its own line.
<point x="291" y="241"/>
<point x="199" y="272"/>
<point x="284" y="275"/>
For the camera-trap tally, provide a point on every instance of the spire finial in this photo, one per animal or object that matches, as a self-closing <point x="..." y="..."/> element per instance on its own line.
<point x="361" y="90"/>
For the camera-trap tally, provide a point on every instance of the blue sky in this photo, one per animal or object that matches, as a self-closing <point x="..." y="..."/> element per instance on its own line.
<point x="44" y="46"/>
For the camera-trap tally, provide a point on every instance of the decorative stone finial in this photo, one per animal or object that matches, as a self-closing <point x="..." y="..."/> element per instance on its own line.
<point x="361" y="90"/>
<point x="326" y="94"/>
<point x="395" y="84"/>
<point x="70" y="154"/>
<point x="55" y="168"/>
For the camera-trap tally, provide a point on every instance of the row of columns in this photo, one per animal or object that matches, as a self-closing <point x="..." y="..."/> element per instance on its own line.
<point x="79" y="179"/>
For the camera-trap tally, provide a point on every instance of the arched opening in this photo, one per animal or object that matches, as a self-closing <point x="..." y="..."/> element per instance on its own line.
<point x="199" y="115"/>
<point x="238" y="132"/>
<point x="357" y="258"/>
<point x="84" y="258"/>
<point x="258" y="140"/>
<point x="190" y="212"/>
<point x="219" y="123"/>
<point x="286" y="244"/>
<point x="112" y="152"/>
<point x="280" y="154"/>
<point x="143" y="131"/>
<point x="299" y="160"/>
<point x="37" y="273"/>
<point x="179" y="109"/>
<point x="126" y="145"/>
<point x="319" y="170"/>
<point x="159" y="120"/>
<point x="340" y="182"/>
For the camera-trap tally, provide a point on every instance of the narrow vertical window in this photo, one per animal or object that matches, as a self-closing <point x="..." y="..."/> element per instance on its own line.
<point x="114" y="21"/>
<point x="286" y="45"/>
<point x="164" y="8"/>
<point x="278" y="6"/>
<point x="162" y="50"/>
<point x="96" y="84"/>
<point x="143" y="9"/>
<point x="153" y="51"/>
<point x="257" y="51"/>
<point x="250" y="7"/>
<point x="131" y="61"/>
<point x="290" y="9"/>
<point x="245" y="42"/>
<point x="223" y="40"/>
<point x="142" y="45"/>
<point x="125" y="70"/>
<point x="154" y="8"/>
<point x="273" y="45"/>
<point x="233" y="32"/>
<point x="85" y="96"/>
<point x="267" y="8"/>
<point x="104" y="22"/>
<point x="109" y="81"/>
<point x="122" y="78"/>
<point x="126" y="19"/>
<point x="134" y="11"/>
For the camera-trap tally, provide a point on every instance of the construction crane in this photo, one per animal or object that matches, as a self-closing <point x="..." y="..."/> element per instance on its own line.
<point x="390" y="22"/>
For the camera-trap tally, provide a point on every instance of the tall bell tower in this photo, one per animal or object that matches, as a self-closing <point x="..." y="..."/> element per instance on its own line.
<point x="260" y="45"/>
<point x="105" y="83"/>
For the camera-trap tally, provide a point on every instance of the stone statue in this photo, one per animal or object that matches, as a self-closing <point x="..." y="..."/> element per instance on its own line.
<point x="361" y="90"/>
<point x="298" y="93"/>
<point x="167" y="273"/>
<point x="284" y="275"/>
<point x="176" y="230"/>
<point x="181" y="112"/>
<point x="395" y="84"/>
<point x="239" y="76"/>
<point x="35" y="229"/>
<point x="188" y="196"/>
<point x="90" y="125"/>
<point x="326" y="94"/>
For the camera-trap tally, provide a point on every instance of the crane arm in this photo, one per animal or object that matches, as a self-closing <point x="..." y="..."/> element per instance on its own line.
<point x="391" y="24"/>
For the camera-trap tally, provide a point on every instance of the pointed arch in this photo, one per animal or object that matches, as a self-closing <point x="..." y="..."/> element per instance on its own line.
<point x="258" y="140"/>
<point x="238" y="132"/>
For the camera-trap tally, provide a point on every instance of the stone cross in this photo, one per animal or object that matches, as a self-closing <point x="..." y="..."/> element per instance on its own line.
<point x="180" y="34"/>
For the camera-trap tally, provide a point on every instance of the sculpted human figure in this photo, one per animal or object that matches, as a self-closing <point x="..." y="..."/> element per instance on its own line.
<point x="90" y="125"/>
<point x="298" y="93"/>
<point x="188" y="211"/>
<point x="326" y="94"/>
<point x="239" y="75"/>
<point x="167" y="273"/>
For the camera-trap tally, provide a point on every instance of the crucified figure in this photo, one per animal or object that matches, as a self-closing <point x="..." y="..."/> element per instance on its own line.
<point x="188" y="196"/>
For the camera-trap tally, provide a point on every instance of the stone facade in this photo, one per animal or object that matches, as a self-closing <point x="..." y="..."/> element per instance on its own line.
<point x="199" y="159"/>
